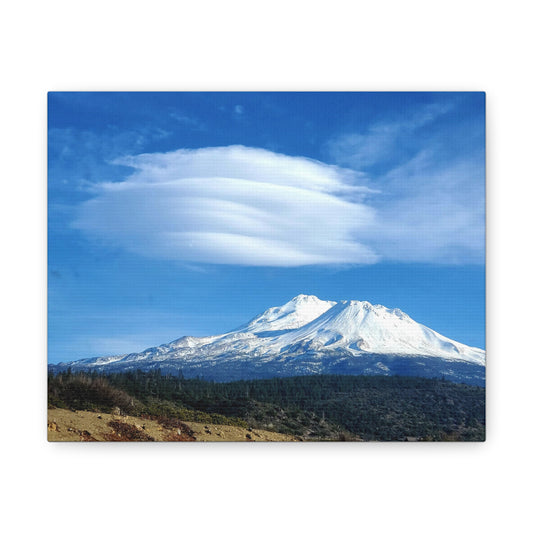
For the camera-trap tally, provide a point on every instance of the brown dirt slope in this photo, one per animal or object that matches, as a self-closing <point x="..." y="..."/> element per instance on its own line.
<point x="75" y="426"/>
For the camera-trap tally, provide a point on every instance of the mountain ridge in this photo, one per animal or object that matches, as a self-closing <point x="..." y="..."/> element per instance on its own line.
<point x="307" y="336"/>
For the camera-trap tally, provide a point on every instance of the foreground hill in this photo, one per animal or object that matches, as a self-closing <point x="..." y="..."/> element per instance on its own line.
<point x="309" y="336"/>
<point x="325" y="407"/>
<point x="65" y="425"/>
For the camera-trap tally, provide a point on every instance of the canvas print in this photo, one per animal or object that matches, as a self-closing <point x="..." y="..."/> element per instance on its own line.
<point x="266" y="266"/>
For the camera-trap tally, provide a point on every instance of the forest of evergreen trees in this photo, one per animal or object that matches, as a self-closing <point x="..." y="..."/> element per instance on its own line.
<point x="319" y="407"/>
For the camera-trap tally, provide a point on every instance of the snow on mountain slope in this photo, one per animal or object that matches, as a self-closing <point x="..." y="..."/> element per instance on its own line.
<point x="294" y="314"/>
<point x="363" y="327"/>
<point x="309" y="335"/>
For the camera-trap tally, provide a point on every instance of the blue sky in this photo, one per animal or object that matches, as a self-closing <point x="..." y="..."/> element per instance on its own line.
<point x="177" y="214"/>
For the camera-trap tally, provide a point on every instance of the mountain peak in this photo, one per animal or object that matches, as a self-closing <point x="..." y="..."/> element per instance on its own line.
<point x="365" y="328"/>
<point x="363" y="304"/>
<point x="309" y="335"/>
<point x="305" y="298"/>
<point x="376" y="308"/>
<point x="294" y="314"/>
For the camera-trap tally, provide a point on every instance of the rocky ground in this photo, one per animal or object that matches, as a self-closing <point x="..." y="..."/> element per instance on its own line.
<point x="74" y="426"/>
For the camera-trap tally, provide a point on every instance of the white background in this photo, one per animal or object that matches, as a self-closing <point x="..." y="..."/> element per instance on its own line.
<point x="275" y="45"/>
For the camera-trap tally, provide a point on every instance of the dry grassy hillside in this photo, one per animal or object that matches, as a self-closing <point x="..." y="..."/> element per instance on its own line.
<point x="74" y="426"/>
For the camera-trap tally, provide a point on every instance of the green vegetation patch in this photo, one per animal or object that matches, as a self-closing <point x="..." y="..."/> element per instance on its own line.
<point x="320" y="407"/>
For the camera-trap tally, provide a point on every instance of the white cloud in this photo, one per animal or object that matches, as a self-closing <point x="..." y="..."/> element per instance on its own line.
<point x="432" y="207"/>
<point x="362" y="150"/>
<point x="186" y="120"/>
<point x="432" y="212"/>
<point x="233" y="205"/>
<point x="249" y="206"/>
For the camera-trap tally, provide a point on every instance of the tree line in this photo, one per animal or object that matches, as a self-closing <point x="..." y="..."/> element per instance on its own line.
<point x="317" y="406"/>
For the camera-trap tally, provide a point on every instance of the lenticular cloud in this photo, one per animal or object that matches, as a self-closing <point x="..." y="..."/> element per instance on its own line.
<point x="233" y="205"/>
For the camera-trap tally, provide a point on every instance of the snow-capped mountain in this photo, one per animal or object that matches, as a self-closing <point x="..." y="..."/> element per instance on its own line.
<point x="294" y="314"/>
<point x="309" y="335"/>
<point x="365" y="328"/>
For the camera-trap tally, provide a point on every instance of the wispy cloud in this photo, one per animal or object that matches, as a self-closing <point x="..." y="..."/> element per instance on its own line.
<point x="249" y="206"/>
<point x="432" y="205"/>
<point x="187" y="120"/>
<point x="233" y="205"/>
<point x="432" y="212"/>
<point x="361" y="150"/>
<point x="81" y="156"/>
